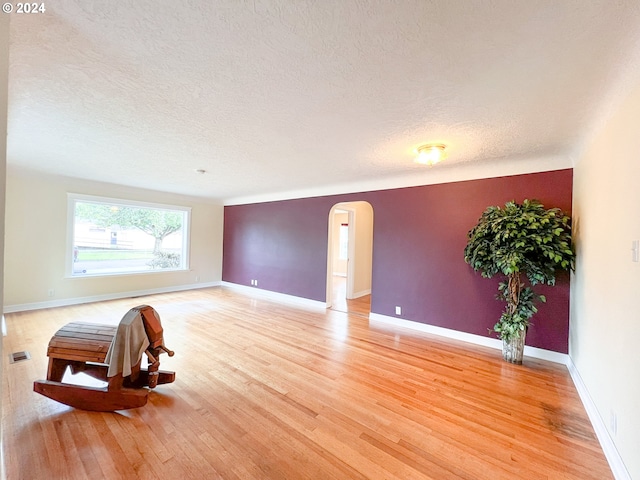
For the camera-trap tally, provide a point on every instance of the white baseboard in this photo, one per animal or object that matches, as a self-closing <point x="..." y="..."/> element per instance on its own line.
<point x="608" y="447"/>
<point x="534" y="352"/>
<point x="618" y="468"/>
<point x="63" y="302"/>
<point x="275" y="296"/>
<point x="361" y="294"/>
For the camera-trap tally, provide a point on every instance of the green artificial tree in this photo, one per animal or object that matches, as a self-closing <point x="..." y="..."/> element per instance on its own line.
<point x="520" y="241"/>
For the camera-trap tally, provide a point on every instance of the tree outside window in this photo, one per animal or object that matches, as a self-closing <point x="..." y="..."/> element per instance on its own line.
<point x="112" y="237"/>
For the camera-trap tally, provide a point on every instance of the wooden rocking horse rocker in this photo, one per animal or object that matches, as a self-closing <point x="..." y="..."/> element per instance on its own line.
<point x="111" y="354"/>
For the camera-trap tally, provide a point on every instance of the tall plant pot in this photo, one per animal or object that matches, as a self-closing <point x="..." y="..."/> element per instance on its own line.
<point x="513" y="349"/>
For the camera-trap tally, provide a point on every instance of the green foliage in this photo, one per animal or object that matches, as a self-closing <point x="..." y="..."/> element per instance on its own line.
<point x="157" y="223"/>
<point x="515" y="318"/>
<point x="165" y="260"/>
<point x="520" y="240"/>
<point x="97" y="213"/>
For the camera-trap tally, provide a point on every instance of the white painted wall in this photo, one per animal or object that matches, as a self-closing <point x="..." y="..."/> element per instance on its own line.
<point x="364" y="248"/>
<point x="4" y="85"/>
<point x="36" y="235"/>
<point x="339" y="265"/>
<point x="605" y="310"/>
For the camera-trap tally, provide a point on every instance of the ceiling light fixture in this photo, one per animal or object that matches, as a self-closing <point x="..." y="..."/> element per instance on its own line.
<point x="430" y="154"/>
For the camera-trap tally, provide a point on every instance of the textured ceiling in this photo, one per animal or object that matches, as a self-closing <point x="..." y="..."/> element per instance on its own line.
<point x="276" y="95"/>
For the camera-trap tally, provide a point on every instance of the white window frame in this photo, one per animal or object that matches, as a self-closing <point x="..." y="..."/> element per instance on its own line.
<point x="72" y="198"/>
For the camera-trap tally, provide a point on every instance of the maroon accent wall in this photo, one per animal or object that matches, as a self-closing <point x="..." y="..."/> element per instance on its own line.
<point x="419" y="234"/>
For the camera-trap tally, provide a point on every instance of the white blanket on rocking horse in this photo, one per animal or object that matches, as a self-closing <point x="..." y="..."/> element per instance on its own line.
<point x="128" y="344"/>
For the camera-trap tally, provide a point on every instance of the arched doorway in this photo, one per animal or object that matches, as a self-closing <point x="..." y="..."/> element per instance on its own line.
<point x="349" y="257"/>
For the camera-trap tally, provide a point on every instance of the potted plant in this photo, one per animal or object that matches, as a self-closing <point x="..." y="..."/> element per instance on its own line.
<point x="522" y="242"/>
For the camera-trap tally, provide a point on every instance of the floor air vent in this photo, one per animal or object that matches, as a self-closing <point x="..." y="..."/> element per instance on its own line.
<point x="18" y="357"/>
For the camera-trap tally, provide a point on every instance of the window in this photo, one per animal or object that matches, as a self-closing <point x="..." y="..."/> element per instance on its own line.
<point x="111" y="237"/>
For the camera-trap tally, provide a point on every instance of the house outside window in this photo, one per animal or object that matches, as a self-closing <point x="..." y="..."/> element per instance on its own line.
<point x="112" y="236"/>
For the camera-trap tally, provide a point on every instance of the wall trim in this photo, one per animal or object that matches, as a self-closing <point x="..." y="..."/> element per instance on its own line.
<point x="534" y="352"/>
<point x="298" y="301"/>
<point x="616" y="463"/>
<point x="275" y="296"/>
<point x="63" y="302"/>
<point x="361" y="293"/>
<point x="618" y="468"/>
<point x="447" y="173"/>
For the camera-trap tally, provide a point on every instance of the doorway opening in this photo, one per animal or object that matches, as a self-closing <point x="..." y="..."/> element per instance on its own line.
<point x="349" y="258"/>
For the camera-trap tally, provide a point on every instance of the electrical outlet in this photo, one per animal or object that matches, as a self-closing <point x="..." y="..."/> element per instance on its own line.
<point x="197" y="278"/>
<point x="255" y="282"/>
<point x="398" y="310"/>
<point x="51" y="292"/>
<point x="635" y="251"/>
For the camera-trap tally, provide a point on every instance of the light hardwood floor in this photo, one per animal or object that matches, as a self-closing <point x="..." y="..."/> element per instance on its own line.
<point x="340" y="303"/>
<point x="265" y="390"/>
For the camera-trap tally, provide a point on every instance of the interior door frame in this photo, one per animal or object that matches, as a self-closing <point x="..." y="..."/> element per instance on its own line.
<point x="351" y="264"/>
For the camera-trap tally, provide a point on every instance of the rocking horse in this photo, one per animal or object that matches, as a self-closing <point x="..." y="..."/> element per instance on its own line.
<point x="111" y="354"/>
